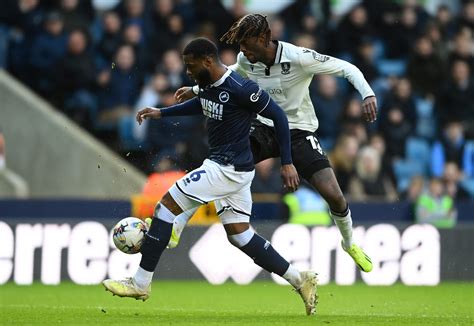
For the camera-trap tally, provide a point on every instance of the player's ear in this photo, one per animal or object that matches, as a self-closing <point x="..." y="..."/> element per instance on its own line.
<point x="267" y="37"/>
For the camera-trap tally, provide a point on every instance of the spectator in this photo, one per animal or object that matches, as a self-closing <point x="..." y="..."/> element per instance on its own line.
<point x="364" y="60"/>
<point x="353" y="121"/>
<point x="328" y="102"/>
<point x="425" y="69"/>
<point x="377" y="142"/>
<point x="440" y="45"/>
<point x="435" y="207"/>
<point x="395" y="129"/>
<point x="456" y="100"/>
<point x="76" y="80"/>
<point x="173" y="67"/>
<point x="369" y="182"/>
<point x="402" y="35"/>
<point x="352" y="30"/>
<point x="402" y="98"/>
<point x="452" y="178"/>
<point x="47" y="49"/>
<point x="134" y="13"/>
<point x="19" y="22"/>
<point x="133" y="36"/>
<point x="467" y="16"/>
<point x="77" y="14"/>
<point x="121" y="87"/>
<point x="343" y="159"/>
<point x="305" y="41"/>
<point x="163" y="134"/>
<point x="309" y="25"/>
<point x="463" y="50"/>
<point x="267" y="178"/>
<point x="444" y="19"/>
<point x="150" y="95"/>
<point x="111" y="37"/>
<point x="451" y="147"/>
<point x="414" y="191"/>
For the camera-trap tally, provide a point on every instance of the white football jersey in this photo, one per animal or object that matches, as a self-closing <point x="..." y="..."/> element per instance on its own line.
<point x="288" y="79"/>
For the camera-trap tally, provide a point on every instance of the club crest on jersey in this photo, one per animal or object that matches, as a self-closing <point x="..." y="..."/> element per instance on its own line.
<point x="224" y="96"/>
<point x="285" y="68"/>
<point x="255" y="96"/>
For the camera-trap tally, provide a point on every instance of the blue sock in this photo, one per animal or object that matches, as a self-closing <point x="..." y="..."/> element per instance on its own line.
<point x="155" y="243"/>
<point x="265" y="256"/>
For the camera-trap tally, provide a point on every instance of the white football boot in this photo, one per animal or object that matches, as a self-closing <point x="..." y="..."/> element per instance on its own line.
<point x="126" y="288"/>
<point x="308" y="291"/>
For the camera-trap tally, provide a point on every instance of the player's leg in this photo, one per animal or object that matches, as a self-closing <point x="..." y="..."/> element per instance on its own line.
<point x="313" y="164"/>
<point x="264" y="255"/>
<point x="179" y="224"/>
<point x="234" y="212"/>
<point x="156" y="239"/>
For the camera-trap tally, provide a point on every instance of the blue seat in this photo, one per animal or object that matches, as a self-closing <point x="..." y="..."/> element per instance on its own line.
<point x="418" y="150"/>
<point x="468" y="185"/>
<point x="391" y="67"/>
<point x="406" y="169"/>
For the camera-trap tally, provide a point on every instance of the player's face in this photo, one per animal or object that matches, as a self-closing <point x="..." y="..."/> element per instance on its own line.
<point x="198" y="69"/>
<point x="253" y="48"/>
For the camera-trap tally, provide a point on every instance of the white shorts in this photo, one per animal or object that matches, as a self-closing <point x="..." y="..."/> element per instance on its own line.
<point x="229" y="189"/>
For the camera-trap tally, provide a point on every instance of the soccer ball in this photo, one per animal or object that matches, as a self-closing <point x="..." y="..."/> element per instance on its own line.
<point x="129" y="234"/>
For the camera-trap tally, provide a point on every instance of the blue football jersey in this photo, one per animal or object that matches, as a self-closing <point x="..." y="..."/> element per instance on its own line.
<point x="230" y="104"/>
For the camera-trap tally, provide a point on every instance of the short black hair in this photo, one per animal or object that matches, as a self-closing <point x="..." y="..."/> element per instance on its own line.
<point x="201" y="47"/>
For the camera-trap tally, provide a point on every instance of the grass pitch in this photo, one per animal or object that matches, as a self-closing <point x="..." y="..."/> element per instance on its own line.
<point x="261" y="303"/>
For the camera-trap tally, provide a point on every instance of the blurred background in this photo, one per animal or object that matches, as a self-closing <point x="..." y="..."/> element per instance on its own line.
<point x="74" y="72"/>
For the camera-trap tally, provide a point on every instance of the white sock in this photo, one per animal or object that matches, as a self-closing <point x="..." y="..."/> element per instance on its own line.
<point x="344" y="224"/>
<point x="182" y="219"/>
<point x="143" y="278"/>
<point x="292" y="275"/>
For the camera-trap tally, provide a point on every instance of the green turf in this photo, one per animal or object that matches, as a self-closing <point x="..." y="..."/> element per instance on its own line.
<point x="262" y="303"/>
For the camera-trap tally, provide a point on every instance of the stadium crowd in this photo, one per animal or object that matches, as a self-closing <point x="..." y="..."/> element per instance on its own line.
<point x="100" y="61"/>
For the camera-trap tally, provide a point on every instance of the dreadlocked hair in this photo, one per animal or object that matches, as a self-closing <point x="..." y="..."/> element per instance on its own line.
<point x="251" y="25"/>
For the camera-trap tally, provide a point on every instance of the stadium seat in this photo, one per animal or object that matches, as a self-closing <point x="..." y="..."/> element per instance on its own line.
<point x="391" y="67"/>
<point x="426" y="126"/>
<point x="468" y="185"/>
<point x="406" y="169"/>
<point x="418" y="150"/>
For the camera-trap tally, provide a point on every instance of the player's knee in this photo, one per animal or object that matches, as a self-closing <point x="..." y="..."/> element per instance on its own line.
<point x="241" y="239"/>
<point x="338" y="202"/>
<point x="236" y="228"/>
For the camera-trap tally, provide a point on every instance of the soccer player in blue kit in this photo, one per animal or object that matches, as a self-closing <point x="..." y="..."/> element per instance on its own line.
<point x="230" y="102"/>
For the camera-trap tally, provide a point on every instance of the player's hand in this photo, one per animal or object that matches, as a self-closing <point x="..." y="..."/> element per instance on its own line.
<point x="148" y="113"/>
<point x="290" y="177"/>
<point x="183" y="94"/>
<point x="369" y="106"/>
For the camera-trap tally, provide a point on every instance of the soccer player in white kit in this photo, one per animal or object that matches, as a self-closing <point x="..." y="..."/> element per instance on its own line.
<point x="229" y="102"/>
<point x="285" y="71"/>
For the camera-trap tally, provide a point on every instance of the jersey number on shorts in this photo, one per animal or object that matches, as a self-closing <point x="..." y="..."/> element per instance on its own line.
<point x="315" y="144"/>
<point x="195" y="176"/>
